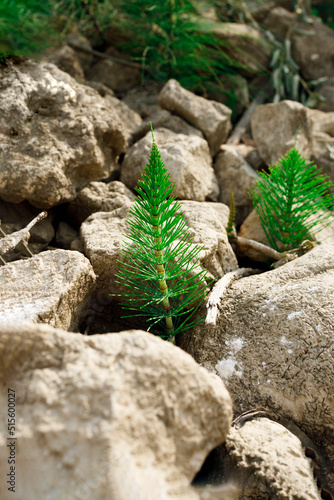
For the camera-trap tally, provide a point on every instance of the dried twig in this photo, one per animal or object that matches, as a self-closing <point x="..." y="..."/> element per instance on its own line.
<point x="243" y="123"/>
<point x="219" y="291"/>
<point x="10" y="241"/>
<point x="101" y="55"/>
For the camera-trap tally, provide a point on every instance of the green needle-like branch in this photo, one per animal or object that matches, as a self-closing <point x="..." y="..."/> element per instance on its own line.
<point x="160" y="263"/>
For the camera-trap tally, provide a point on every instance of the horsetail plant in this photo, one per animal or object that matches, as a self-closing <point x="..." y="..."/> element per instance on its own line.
<point x="160" y="267"/>
<point x="293" y="201"/>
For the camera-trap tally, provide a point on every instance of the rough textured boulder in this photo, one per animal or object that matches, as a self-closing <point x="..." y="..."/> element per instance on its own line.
<point x="56" y="135"/>
<point x="312" y="44"/>
<point x="233" y="172"/>
<point x="187" y="159"/>
<point x="102" y="236"/>
<point x="273" y="344"/>
<point x="274" y="129"/>
<point x="118" y="77"/>
<point x="211" y="117"/>
<point x="267" y="461"/>
<point x="323" y="143"/>
<point x="164" y="119"/>
<point x="123" y="416"/>
<point x="52" y="287"/>
<point x="326" y="90"/>
<point x="245" y="44"/>
<point x="99" y="197"/>
<point x="67" y="60"/>
<point x="130" y="119"/>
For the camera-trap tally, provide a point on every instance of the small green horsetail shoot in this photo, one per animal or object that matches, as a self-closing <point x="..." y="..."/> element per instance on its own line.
<point x="160" y="267"/>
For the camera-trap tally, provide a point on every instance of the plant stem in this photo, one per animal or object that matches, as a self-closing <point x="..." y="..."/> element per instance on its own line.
<point x="163" y="287"/>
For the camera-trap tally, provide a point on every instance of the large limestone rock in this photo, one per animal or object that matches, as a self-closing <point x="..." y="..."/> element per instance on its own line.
<point x="52" y="287"/>
<point x="245" y="44"/>
<point x="99" y="197"/>
<point x="56" y="135"/>
<point x="103" y="233"/>
<point x="211" y="117"/>
<point x="233" y="172"/>
<point x="118" y="77"/>
<point x="66" y="59"/>
<point x="274" y="128"/>
<point x="122" y="416"/>
<point x="323" y="140"/>
<point x="187" y="159"/>
<point x="312" y="44"/>
<point x="267" y="461"/>
<point x="273" y="344"/>
<point x="162" y="118"/>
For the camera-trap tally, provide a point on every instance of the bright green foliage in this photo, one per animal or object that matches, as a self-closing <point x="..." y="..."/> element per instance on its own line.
<point x="287" y="197"/>
<point x="170" y="39"/>
<point x="24" y="28"/>
<point x="165" y="282"/>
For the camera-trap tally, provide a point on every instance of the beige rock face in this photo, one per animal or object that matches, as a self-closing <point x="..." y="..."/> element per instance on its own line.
<point x="313" y="51"/>
<point x="211" y="117"/>
<point x="67" y="60"/>
<point x="268" y="461"/>
<point x="122" y="416"/>
<point x="164" y="119"/>
<point x="52" y="287"/>
<point x="326" y="89"/>
<point x="323" y="140"/>
<point x="273" y="344"/>
<point x="56" y="135"/>
<point x="102" y="236"/>
<point x="274" y="128"/>
<point x="186" y="157"/>
<point x="99" y="197"/>
<point x="233" y="172"/>
<point x="246" y="44"/>
<point x="130" y="119"/>
<point x="118" y="77"/>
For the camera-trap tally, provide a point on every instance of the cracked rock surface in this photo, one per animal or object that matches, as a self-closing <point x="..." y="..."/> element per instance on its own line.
<point x="52" y="287"/>
<point x="106" y="416"/>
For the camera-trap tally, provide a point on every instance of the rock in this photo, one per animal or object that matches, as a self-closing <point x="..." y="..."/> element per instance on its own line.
<point x="211" y="117"/>
<point x="103" y="233"/>
<point x="257" y="8"/>
<point x="249" y="153"/>
<point x="326" y="90"/>
<point x="323" y="140"/>
<point x="77" y="40"/>
<point x="106" y="416"/>
<point x="267" y="461"/>
<point x="164" y="119"/>
<point x="53" y="287"/>
<point x="144" y="100"/>
<point x="119" y="77"/>
<point x="273" y="344"/>
<point x="14" y="217"/>
<point x="275" y="126"/>
<point x="252" y="229"/>
<point x="99" y="197"/>
<point x="56" y="135"/>
<point x="130" y="119"/>
<point x="312" y="44"/>
<point x="186" y="157"/>
<point x="246" y="45"/>
<point x="65" y="235"/>
<point x="67" y="60"/>
<point x="233" y="172"/>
